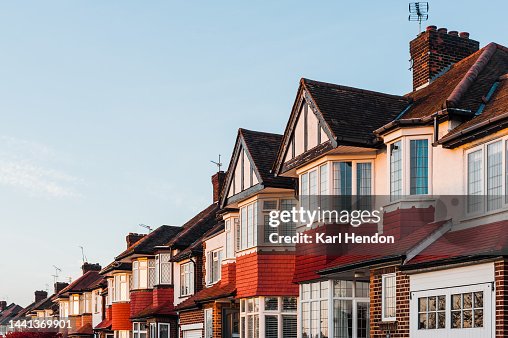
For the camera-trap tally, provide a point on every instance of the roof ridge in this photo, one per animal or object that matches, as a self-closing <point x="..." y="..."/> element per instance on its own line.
<point x="472" y="74"/>
<point x="353" y="89"/>
<point x="241" y="130"/>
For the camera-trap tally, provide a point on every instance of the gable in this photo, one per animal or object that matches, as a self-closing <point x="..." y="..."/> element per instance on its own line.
<point x="308" y="132"/>
<point x="244" y="175"/>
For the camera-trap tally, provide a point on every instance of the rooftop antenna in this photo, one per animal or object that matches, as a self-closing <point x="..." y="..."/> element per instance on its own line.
<point x="418" y="11"/>
<point x="83" y="254"/>
<point x="57" y="270"/>
<point x="147" y="227"/>
<point x="218" y="164"/>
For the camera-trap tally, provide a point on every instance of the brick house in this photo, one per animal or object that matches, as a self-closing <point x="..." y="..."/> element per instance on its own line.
<point x="7" y="313"/>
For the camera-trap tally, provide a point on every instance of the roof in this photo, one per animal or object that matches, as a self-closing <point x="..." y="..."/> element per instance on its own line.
<point x="104" y="325"/>
<point x="197" y="246"/>
<point x="216" y="291"/>
<point x="165" y="309"/>
<point x="488" y="240"/>
<point x="367" y="254"/>
<point x="9" y="312"/>
<point x="147" y="244"/>
<point x="116" y="266"/>
<point x="195" y="227"/>
<point x="85" y="330"/>
<point x="86" y="282"/>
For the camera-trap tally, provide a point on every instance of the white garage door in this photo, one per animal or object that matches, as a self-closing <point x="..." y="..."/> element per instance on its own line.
<point x="192" y="334"/>
<point x="453" y="312"/>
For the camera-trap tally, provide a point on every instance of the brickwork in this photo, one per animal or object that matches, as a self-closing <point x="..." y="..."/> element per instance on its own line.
<point x="191" y="317"/>
<point x="228" y="273"/>
<point x="434" y="50"/>
<point x="501" y="279"/>
<point x="140" y="300"/>
<point x="399" y="328"/>
<point x="162" y="294"/>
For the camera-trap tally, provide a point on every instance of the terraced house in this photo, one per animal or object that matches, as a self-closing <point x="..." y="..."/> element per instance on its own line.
<point x="433" y="162"/>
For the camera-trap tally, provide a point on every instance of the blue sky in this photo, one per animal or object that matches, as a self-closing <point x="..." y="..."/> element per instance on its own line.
<point x="112" y="110"/>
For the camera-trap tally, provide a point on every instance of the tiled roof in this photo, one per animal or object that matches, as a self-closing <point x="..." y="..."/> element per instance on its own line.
<point x="479" y="241"/>
<point x="116" y="266"/>
<point x="147" y="244"/>
<point x="216" y="291"/>
<point x="9" y="312"/>
<point x="84" y="283"/>
<point x="165" y="309"/>
<point x="104" y="325"/>
<point x="85" y="330"/>
<point x="365" y="254"/>
<point x="197" y="246"/>
<point x="195" y="227"/>
<point x="351" y="113"/>
<point x="263" y="149"/>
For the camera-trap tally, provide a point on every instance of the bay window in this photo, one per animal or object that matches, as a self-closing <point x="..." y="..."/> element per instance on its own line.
<point x="214" y="264"/>
<point x="396" y="169"/>
<point x="285" y="228"/>
<point x="162" y="269"/>
<point x="248" y="226"/>
<point x="487" y="177"/>
<point x="121" y="288"/>
<point x="347" y="302"/>
<point x="186" y="279"/>
<point x="111" y="291"/>
<point x="88" y="302"/>
<point x="64" y="309"/>
<point x="74" y="305"/>
<point x="143" y="274"/>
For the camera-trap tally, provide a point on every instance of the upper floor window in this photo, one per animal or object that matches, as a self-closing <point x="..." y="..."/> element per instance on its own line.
<point x="97" y="301"/>
<point x="232" y="232"/>
<point x="214" y="264"/>
<point x="396" y="169"/>
<point x="111" y="291"/>
<point x="163" y="269"/>
<point x="64" y="309"/>
<point x="419" y="167"/>
<point x="487" y="178"/>
<point x="248" y="226"/>
<point x="74" y="305"/>
<point x="285" y="228"/>
<point x="186" y="279"/>
<point x="121" y="288"/>
<point x="143" y="274"/>
<point x="388" y="295"/>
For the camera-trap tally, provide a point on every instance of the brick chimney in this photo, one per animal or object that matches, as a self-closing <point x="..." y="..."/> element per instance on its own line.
<point x="218" y="183"/>
<point x="59" y="286"/>
<point x="40" y="295"/>
<point x="133" y="238"/>
<point x="435" y="50"/>
<point x="90" y="267"/>
<point x="3" y="305"/>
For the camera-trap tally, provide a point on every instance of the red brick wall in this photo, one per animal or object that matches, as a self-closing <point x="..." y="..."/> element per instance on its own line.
<point x="86" y="319"/>
<point x="501" y="278"/>
<point x="108" y="312"/>
<point x="140" y="300"/>
<point x="192" y="317"/>
<point x="121" y="316"/>
<point x="228" y="273"/>
<point x="162" y="294"/>
<point x="397" y="329"/>
<point x="265" y="274"/>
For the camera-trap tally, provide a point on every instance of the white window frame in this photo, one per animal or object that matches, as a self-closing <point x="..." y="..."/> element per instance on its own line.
<point x="208" y="326"/>
<point x="186" y="276"/>
<point x="137" y="332"/>
<point x="161" y="260"/>
<point x="74" y="305"/>
<point x="384" y="317"/>
<point x="121" y="288"/>
<point x="249" y="232"/>
<point x="214" y="256"/>
<point x="484" y="210"/>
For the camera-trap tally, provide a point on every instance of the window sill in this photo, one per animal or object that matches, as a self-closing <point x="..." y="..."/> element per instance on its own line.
<point x="483" y="215"/>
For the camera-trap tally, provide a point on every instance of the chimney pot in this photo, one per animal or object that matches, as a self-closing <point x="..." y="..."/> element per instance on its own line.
<point x="3" y="305"/>
<point x="464" y="35"/>
<point x="90" y="267"/>
<point x="40" y="295"/>
<point x="59" y="286"/>
<point x="133" y="238"/>
<point x="431" y="28"/>
<point x="453" y="33"/>
<point x="442" y="30"/>
<point x="218" y="183"/>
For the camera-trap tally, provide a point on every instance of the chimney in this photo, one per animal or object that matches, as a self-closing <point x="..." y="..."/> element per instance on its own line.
<point x="90" y="267"/>
<point x="133" y="238"/>
<point x="435" y="50"/>
<point x="40" y="295"/>
<point x="59" y="286"/>
<point x="218" y="183"/>
<point x="3" y="305"/>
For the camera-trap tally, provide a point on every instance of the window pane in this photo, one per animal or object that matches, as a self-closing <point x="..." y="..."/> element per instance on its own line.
<point x="362" y="319"/>
<point x="324" y="318"/>
<point x="323" y="180"/>
<point x="419" y="167"/>
<point x="289" y="325"/>
<point x="342" y="178"/>
<point x="342" y="288"/>
<point x="271" y="327"/>
<point x="396" y="169"/>
<point x="364" y="179"/>
<point x="494" y="175"/>
<point x="474" y="181"/>
<point x="389" y="296"/>
<point x="287" y="228"/>
<point x="271" y="303"/>
<point x="478" y="299"/>
<point x="343" y="318"/>
<point x="478" y="318"/>
<point x="289" y="304"/>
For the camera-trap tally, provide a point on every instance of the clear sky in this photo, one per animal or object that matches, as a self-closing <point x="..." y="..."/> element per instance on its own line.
<point x="112" y="110"/>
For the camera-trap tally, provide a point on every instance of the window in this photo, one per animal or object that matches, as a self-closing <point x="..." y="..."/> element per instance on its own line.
<point x="88" y="302"/>
<point x="248" y="225"/>
<point x="121" y="288"/>
<point x="229" y="239"/>
<point x="162" y="269"/>
<point x="97" y="301"/>
<point x="432" y="312"/>
<point x="396" y="169"/>
<point x="140" y="274"/>
<point x="153" y="330"/>
<point x="364" y="179"/>
<point x="285" y="228"/>
<point x="122" y="334"/>
<point x="467" y="310"/>
<point x="163" y="330"/>
<point x="249" y="317"/>
<point x="419" y="167"/>
<point x="389" y="297"/>
<point x="214" y="264"/>
<point x="186" y="279"/>
<point x="139" y="330"/>
<point x="315" y="309"/>
<point x="237" y="237"/>
<point x="64" y="309"/>
<point x="485" y="177"/>
<point x="208" y="323"/>
<point x="111" y="290"/>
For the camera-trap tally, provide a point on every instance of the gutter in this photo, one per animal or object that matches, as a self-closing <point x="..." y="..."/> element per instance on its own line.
<point x="360" y="264"/>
